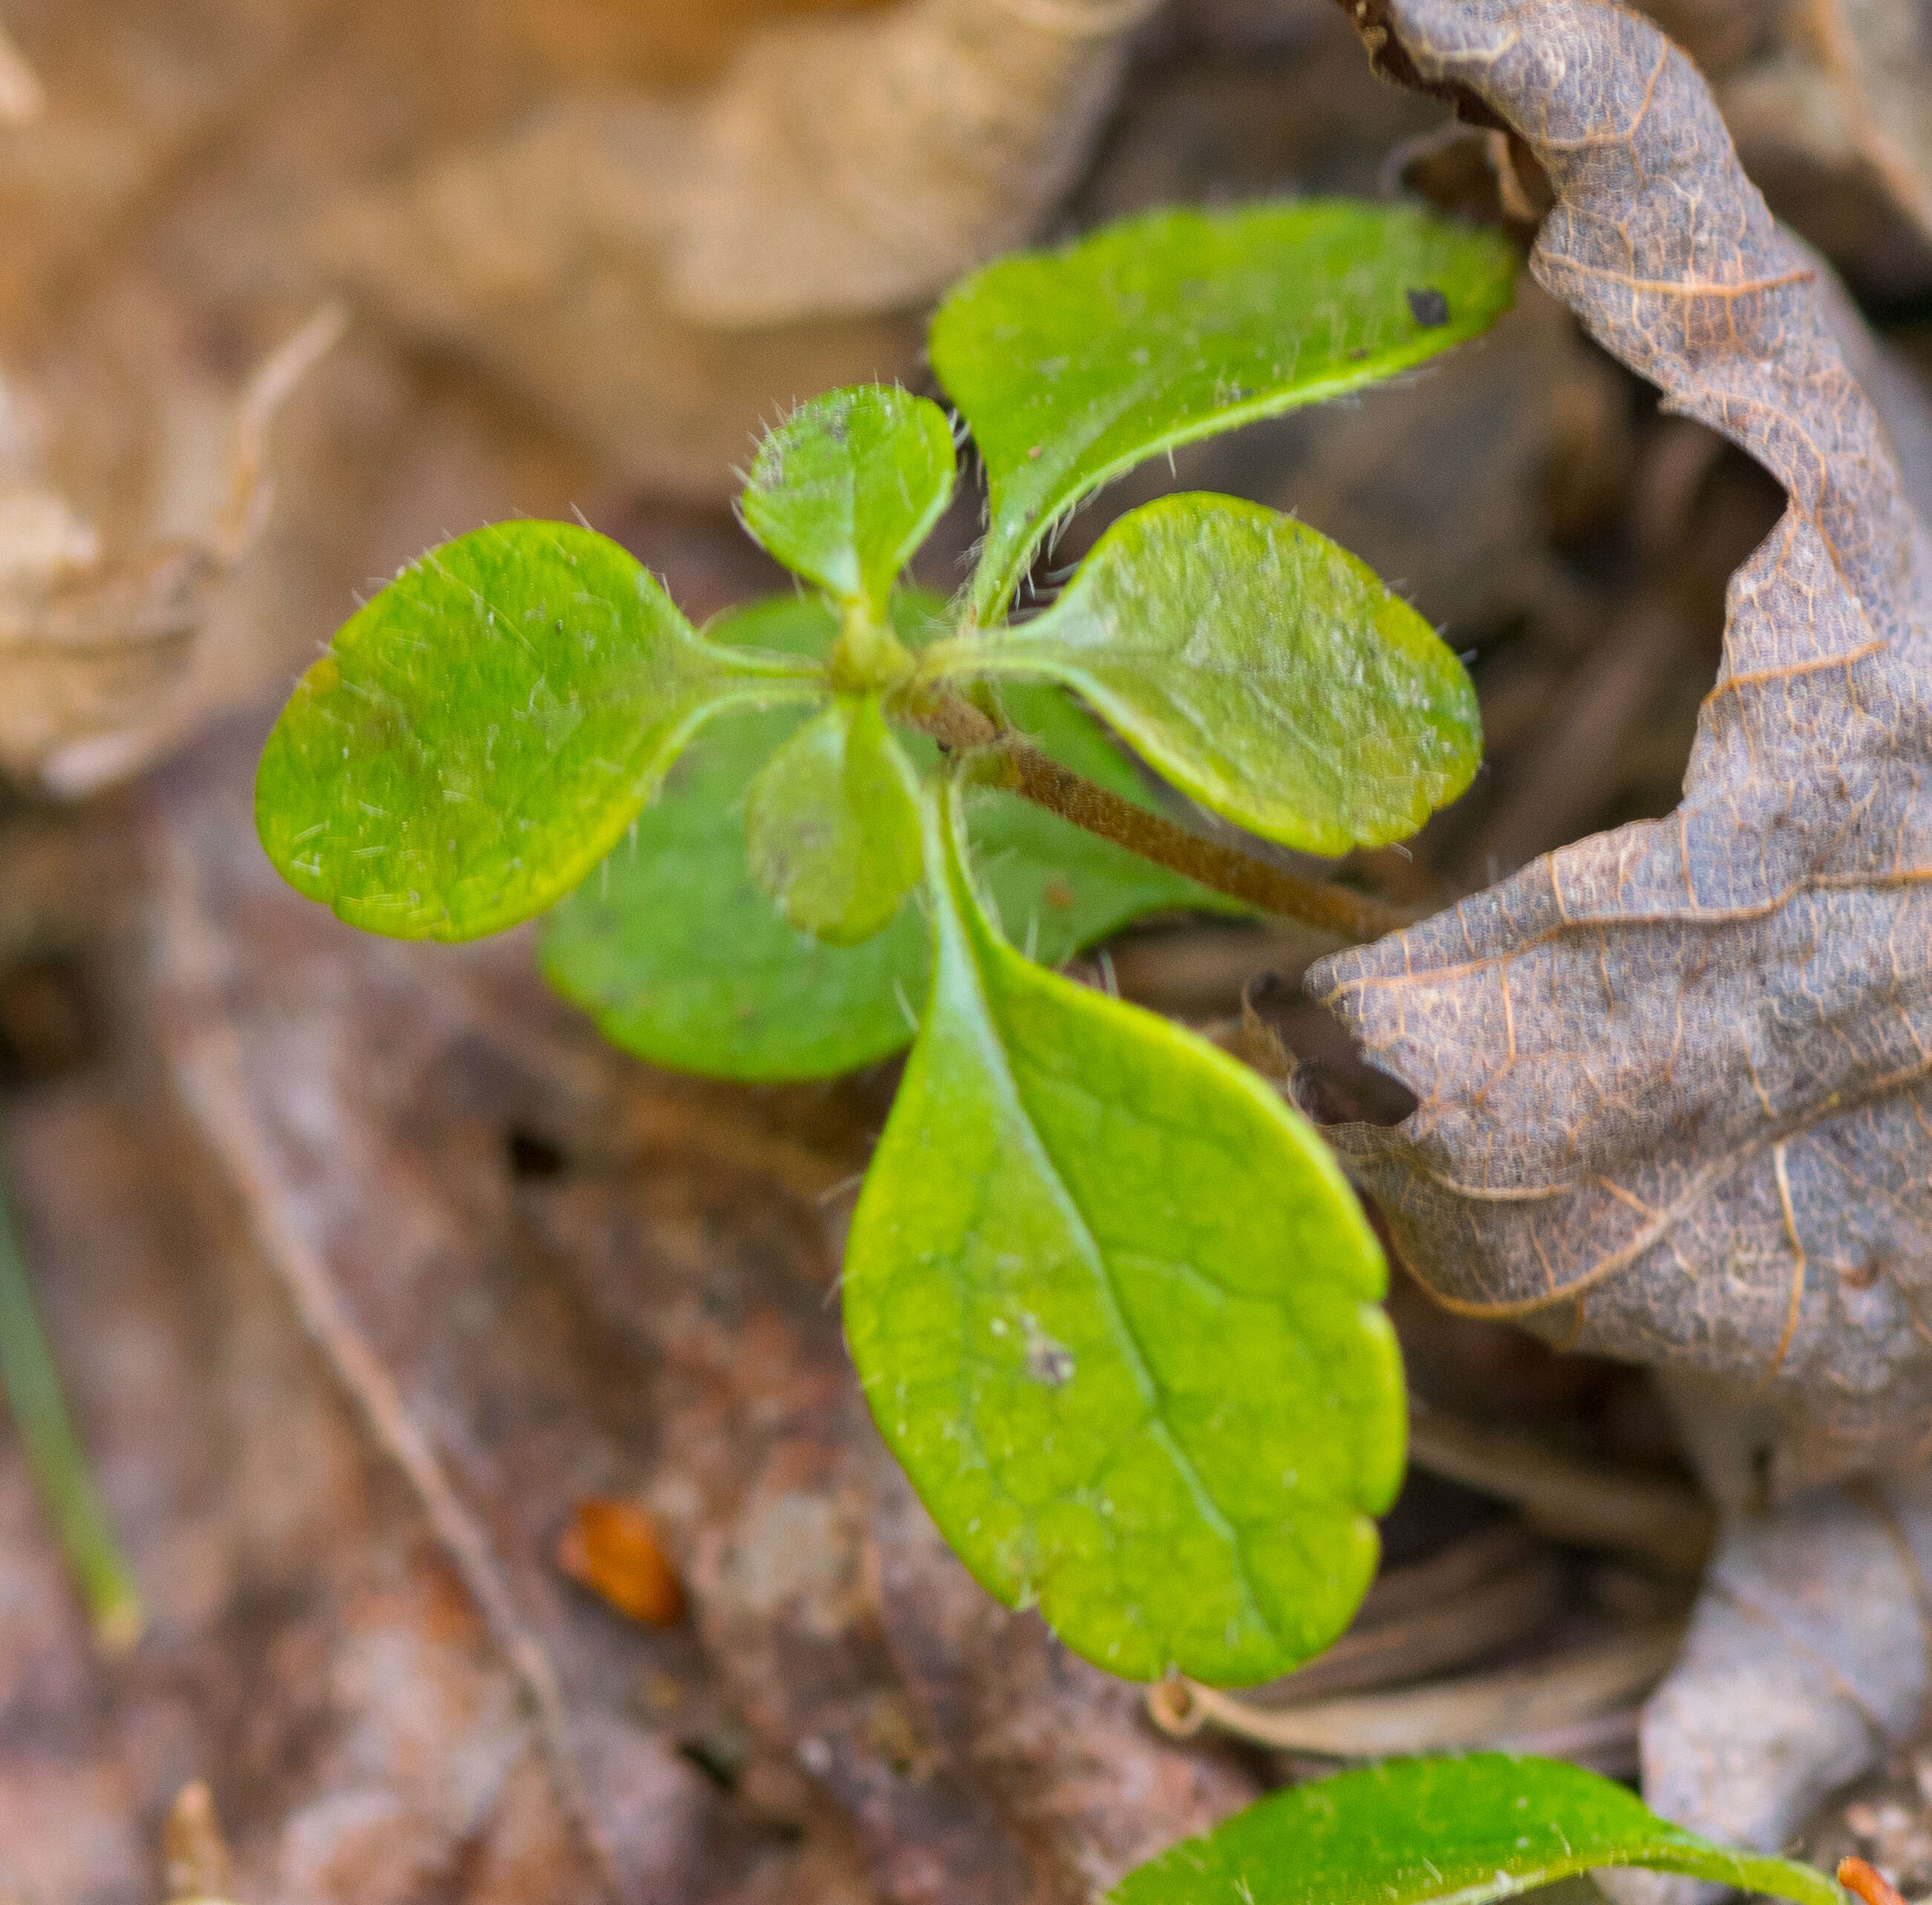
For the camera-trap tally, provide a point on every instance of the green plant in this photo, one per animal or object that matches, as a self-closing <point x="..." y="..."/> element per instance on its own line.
<point x="1468" y="1830"/>
<point x="1114" y="1306"/>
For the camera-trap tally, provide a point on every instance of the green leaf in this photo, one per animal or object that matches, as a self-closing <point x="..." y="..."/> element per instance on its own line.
<point x="1073" y="366"/>
<point x="1261" y="668"/>
<point x="479" y="737"/>
<point x="1116" y="1311"/>
<point x="1468" y="1830"/>
<point x="681" y="960"/>
<point x="846" y="489"/>
<point x="832" y="824"/>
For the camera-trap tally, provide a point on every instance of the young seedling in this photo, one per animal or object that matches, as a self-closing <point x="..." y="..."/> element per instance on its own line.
<point x="1114" y="1305"/>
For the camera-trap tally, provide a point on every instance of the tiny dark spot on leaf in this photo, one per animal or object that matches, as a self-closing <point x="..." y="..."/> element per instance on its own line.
<point x="1049" y="1362"/>
<point x="1428" y="307"/>
<point x="1058" y="894"/>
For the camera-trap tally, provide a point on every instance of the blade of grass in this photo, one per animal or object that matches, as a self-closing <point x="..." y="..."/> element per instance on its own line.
<point x="56" y="1460"/>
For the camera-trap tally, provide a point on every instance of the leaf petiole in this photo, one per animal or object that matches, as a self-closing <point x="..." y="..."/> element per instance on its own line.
<point x="59" y="1464"/>
<point x="1014" y="764"/>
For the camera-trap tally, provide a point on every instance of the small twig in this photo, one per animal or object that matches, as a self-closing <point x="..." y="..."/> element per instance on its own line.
<point x="1450" y="1631"/>
<point x="1016" y="765"/>
<point x="1568" y="1501"/>
<point x="1480" y="1710"/>
<point x="59" y="1464"/>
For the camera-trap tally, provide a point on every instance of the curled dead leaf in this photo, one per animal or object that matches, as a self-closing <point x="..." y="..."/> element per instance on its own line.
<point x="89" y="634"/>
<point x="612" y="1548"/>
<point x="1671" y="1077"/>
<point x="1675" y="1095"/>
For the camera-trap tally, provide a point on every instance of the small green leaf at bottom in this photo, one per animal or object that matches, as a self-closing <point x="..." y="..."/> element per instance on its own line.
<point x="1468" y="1830"/>
<point x="1116" y="1311"/>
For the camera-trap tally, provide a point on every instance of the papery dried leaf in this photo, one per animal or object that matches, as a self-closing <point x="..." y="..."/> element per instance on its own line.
<point x="659" y="275"/>
<point x="1833" y="117"/>
<point x="1807" y="1660"/>
<point x="1673" y="1081"/>
<point x="87" y="636"/>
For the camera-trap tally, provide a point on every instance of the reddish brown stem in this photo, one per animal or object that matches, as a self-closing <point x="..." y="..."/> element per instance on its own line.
<point x="1019" y="767"/>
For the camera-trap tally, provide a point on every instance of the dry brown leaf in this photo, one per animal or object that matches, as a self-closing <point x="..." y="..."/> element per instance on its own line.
<point x="659" y="275"/>
<point x="1833" y="117"/>
<point x="1806" y="1662"/>
<point x="88" y="634"/>
<point x="1672" y="1080"/>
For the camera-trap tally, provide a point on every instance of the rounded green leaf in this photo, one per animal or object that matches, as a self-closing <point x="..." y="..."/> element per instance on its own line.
<point x="479" y="737"/>
<point x="1116" y="1310"/>
<point x="1468" y="1830"/>
<point x="1073" y="366"/>
<point x="832" y="824"/>
<point x="847" y="487"/>
<point x="1261" y="668"/>
<point x="682" y="960"/>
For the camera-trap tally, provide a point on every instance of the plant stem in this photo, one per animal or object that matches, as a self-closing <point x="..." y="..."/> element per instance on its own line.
<point x="1017" y="765"/>
<point x="54" y="1457"/>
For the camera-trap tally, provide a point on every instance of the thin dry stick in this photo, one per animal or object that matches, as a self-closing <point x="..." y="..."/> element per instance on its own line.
<point x="1479" y="1710"/>
<point x="1014" y="764"/>
<point x="1449" y="1632"/>
<point x="213" y="1081"/>
<point x="193" y="1849"/>
<point x="1569" y="1501"/>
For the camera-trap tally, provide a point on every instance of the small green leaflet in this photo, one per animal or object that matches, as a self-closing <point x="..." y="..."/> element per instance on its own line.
<point x="1073" y="366"/>
<point x="711" y="980"/>
<point x="1465" y="1830"/>
<point x="847" y="487"/>
<point x="479" y="737"/>
<point x="832" y="824"/>
<point x="1261" y="668"/>
<point x="1117" y="1312"/>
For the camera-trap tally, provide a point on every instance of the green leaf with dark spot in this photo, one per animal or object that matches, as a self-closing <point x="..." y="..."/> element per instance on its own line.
<point x="1073" y="366"/>
<point x="479" y="737"/>
<point x="832" y="824"/>
<point x="1117" y="1312"/>
<point x="847" y="487"/>
<point x="1468" y="1830"/>
<point x="670" y="944"/>
<point x="1261" y="668"/>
